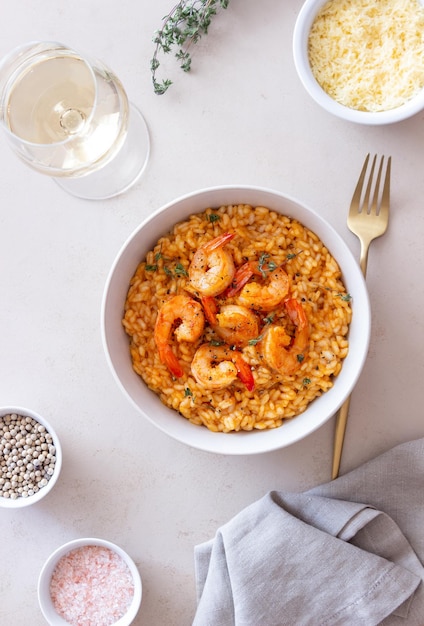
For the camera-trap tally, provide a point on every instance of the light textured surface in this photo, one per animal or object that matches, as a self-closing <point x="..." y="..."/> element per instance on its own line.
<point x="241" y="116"/>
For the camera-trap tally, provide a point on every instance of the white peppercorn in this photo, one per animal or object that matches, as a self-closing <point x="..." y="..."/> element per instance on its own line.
<point x="27" y="456"/>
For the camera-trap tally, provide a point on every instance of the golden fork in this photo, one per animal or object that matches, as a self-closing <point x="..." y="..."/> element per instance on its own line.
<point x="368" y="219"/>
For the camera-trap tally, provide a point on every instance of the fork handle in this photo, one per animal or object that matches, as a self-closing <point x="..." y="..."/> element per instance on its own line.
<point x="340" y="430"/>
<point x="341" y="419"/>
<point x="363" y="259"/>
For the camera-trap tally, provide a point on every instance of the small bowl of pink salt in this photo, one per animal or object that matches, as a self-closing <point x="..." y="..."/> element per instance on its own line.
<point x="89" y="582"/>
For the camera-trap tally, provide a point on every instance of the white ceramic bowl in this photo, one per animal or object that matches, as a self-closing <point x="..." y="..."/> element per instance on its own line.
<point x="20" y="501"/>
<point x="116" y="342"/>
<point x="44" y="598"/>
<point x="303" y="25"/>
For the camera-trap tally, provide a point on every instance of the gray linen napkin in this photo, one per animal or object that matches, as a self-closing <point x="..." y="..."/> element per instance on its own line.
<point x="349" y="552"/>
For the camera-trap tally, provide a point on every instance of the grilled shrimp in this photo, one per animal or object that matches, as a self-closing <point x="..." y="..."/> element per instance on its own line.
<point x="212" y="267"/>
<point x="236" y="325"/>
<point x="184" y="317"/>
<point x="265" y="294"/>
<point x="216" y="367"/>
<point x="282" y="352"/>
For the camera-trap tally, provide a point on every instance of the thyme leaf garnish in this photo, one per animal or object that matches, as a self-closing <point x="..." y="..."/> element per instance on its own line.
<point x="216" y="342"/>
<point x="262" y="260"/>
<point x="265" y="266"/>
<point x="180" y="270"/>
<point x="346" y="297"/>
<point x="270" y="318"/>
<point x="293" y="255"/>
<point x="182" y="27"/>
<point x="253" y="342"/>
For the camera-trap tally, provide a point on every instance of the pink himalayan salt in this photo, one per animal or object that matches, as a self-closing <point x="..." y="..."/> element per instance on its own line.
<point x="91" y="586"/>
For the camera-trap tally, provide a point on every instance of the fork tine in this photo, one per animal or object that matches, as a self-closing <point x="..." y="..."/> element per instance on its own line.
<point x="357" y="194"/>
<point x="366" y="201"/>
<point x="385" y="198"/>
<point x="375" y="206"/>
<point x="381" y="199"/>
<point x="369" y="198"/>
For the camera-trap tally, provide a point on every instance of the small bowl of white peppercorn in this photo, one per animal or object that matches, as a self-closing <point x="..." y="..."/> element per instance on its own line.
<point x="30" y="457"/>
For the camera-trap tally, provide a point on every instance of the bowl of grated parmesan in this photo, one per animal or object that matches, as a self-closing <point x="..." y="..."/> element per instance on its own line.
<point x="89" y="582"/>
<point x="362" y="60"/>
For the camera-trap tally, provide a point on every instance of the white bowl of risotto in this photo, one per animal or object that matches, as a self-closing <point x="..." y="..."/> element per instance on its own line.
<point x="246" y="324"/>
<point x="30" y="457"/>
<point x="361" y="60"/>
<point x="89" y="581"/>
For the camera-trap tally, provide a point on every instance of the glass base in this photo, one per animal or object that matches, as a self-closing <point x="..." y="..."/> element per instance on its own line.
<point x="122" y="172"/>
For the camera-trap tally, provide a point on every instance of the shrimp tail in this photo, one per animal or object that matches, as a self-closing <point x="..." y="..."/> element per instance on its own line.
<point x="169" y="359"/>
<point x="219" y="241"/>
<point x="241" y="277"/>
<point x="245" y="373"/>
<point x="296" y="313"/>
<point x="210" y="309"/>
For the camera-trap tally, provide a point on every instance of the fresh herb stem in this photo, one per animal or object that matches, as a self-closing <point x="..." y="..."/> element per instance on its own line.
<point x="182" y="27"/>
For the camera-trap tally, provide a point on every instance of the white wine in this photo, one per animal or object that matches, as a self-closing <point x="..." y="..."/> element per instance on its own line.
<point x="71" y="117"/>
<point x="68" y="116"/>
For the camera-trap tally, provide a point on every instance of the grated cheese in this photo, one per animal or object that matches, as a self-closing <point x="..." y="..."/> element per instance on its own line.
<point x="369" y="54"/>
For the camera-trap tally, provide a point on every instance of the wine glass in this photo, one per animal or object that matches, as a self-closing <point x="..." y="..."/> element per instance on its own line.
<point x="68" y="116"/>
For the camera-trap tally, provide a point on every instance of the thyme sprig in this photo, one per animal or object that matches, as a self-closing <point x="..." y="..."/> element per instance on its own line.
<point x="265" y="266"/>
<point x="177" y="270"/>
<point x="182" y="27"/>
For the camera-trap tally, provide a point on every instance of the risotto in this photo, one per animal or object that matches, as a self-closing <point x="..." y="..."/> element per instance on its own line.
<point x="238" y="318"/>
